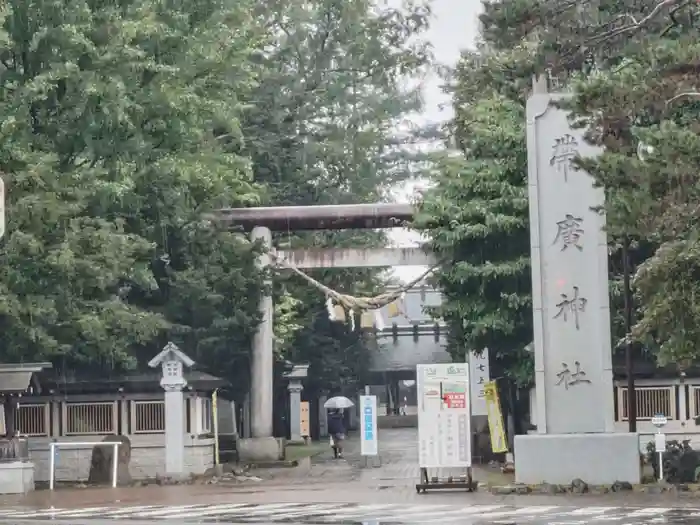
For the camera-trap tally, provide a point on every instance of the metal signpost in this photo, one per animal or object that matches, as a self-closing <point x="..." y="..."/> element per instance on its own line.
<point x="444" y="425"/>
<point x="53" y="456"/>
<point x="659" y="421"/>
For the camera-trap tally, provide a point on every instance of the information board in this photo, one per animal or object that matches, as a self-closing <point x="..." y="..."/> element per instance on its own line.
<point x="368" y="426"/>
<point x="444" y="435"/>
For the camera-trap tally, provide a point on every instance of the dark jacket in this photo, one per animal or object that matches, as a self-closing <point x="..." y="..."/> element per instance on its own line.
<point x="336" y="423"/>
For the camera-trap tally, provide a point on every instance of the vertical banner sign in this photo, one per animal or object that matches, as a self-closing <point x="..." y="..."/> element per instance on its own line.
<point x="304" y="419"/>
<point x="479" y="375"/>
<point x="444" y="416"/>
<point x="499" y="444"/>
<point x="368" y="426"/>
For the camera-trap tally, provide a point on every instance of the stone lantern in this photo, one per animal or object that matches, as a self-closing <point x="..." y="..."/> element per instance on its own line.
<point x="171" y="360"/>
<point x="297" y="374"/>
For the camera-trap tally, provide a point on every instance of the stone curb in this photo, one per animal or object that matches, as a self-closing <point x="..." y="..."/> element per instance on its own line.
<point x="579" y="487"/>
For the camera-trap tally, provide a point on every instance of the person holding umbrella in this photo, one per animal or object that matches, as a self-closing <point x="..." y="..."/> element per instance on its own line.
<point x="336" y="422"/>
<point x="336" y="428"/>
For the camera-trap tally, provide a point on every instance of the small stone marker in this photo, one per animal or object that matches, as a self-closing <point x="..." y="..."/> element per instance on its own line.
<point x="101" y="462"/>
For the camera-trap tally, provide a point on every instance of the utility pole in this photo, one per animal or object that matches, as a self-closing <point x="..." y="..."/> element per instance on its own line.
<point x="629" y="358"/>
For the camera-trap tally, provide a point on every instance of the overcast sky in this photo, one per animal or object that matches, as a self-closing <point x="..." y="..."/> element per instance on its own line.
<point x="454" y="28"/>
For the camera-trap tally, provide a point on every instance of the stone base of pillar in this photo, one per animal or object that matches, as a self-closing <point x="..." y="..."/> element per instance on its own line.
<point x="170" y="478"/>
<point x="597" y="459"/>
<point x="251" y="450"/>
<point x="16" y="477"/>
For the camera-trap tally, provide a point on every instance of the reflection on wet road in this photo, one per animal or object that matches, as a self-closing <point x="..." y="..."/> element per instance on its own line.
<point x="356" y="514"/>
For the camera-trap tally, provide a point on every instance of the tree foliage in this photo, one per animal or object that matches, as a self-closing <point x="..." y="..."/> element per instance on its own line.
<point x="110" y="146"/>
<point x="633" y="70"/>
<point x="477" y="218"/>
<point x="321" y="128"/>
<point x="122" y="122"/>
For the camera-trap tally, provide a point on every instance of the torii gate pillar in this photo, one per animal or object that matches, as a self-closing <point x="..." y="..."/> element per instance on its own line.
<point x="262" y="446"/>
<point x="261" y="222"/>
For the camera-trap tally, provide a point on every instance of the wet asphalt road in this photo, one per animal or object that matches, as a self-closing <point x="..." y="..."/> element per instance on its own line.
<point x="353" y="514"/>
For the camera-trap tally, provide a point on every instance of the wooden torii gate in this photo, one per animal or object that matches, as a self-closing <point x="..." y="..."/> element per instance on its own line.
<point x="260" y="223"/>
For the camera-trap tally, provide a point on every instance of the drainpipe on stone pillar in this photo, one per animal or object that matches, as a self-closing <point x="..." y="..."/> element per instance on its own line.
<point x="629" y="357"/>
<point x="215" y="422"/>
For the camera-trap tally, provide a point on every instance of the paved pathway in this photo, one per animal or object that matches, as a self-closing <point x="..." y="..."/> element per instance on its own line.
<point x="348" y="513"/>
<point x="397" y="464"/>
<point x="342" y="490"/>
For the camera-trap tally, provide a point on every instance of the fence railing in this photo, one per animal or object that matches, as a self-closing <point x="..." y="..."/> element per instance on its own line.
<point x="694" y="401"/>
<point x="124" y="416"/>
<point x="206" y="414"/>
<point x="33" y="419"/>
<point x="147" y="417"/>
<point x="82" y="419"/>
<point x="651" y="400"/>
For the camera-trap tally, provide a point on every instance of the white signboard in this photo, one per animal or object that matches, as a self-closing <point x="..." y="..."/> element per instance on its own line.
<point x="368" y="426"/>
<point x="443" y="416"/>
<point x="479" y="375"/>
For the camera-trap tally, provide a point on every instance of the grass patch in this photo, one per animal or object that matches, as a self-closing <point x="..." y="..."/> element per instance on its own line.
<point x="297" y="451"/>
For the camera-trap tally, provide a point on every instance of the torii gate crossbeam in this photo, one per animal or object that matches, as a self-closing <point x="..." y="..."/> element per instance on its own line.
<point x="261" y="222"/>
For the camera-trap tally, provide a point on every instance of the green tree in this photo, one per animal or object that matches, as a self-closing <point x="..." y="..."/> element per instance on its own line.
<point x="477" y="219"/>
<point x="120" y="125"/>
<point x="632" y="69"/>
<point x="123" y="122"/>
<point x="321" y="125"/>
<point x="322" y="129"/>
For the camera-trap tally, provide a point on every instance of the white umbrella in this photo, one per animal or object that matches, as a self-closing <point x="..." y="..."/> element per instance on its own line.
<point x="338" y="402"/>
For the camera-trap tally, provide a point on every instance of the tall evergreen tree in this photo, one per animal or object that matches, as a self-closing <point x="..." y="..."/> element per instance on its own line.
<point x="477" y="219"/>
<point x="632" y="68"/>
<point x="322" y="129"/>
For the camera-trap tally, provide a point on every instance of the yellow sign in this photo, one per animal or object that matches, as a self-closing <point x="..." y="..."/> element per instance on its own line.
<point x="304" y="419"/>
<point x="499" y="444"/>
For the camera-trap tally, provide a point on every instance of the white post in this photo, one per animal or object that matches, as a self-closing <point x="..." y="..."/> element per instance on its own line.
<point x="52" y="465"/>
<point x="659" y="421"/>
<point x="174" y="430"/>
<point x="115" y="462"/>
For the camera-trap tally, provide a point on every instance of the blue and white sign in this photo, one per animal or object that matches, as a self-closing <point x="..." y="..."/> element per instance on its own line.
<point x="659" y="420"/>
<point x="368" y="426"/>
